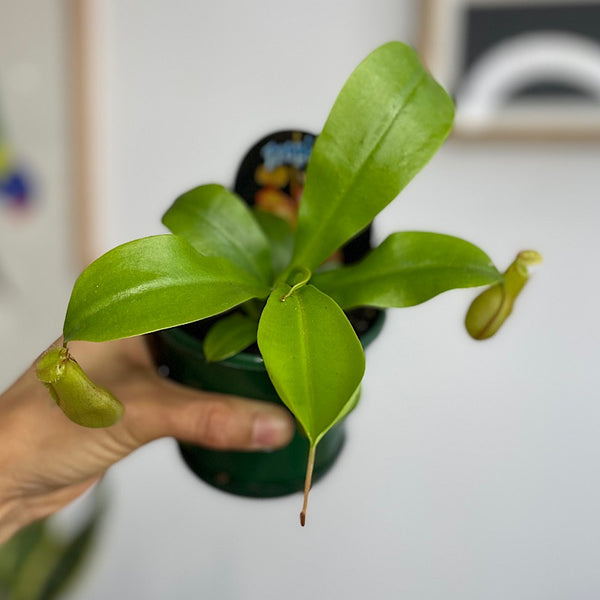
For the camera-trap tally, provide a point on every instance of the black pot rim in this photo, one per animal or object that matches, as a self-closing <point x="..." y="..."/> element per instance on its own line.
<point x="254" y="362"/>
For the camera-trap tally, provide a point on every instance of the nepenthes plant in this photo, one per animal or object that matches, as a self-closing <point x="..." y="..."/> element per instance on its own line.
<point x="389" y="119"/>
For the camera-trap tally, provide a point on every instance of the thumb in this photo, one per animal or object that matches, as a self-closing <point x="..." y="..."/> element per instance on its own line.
<point x="208" y="419"/>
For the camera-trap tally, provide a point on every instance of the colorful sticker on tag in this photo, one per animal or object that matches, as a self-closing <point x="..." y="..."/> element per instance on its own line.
<point x="271" y="178"/>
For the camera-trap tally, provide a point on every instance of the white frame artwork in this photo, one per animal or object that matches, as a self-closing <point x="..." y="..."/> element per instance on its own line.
<point x="542" y="79"/>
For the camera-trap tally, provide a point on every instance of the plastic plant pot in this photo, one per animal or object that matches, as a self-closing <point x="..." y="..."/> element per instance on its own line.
<point x="256" y="474"/>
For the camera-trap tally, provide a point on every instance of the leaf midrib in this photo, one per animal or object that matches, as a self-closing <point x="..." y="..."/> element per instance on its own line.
<point x="305" y="359"/>
<point x="332" y="207"/>
<point x="369" y="277"/>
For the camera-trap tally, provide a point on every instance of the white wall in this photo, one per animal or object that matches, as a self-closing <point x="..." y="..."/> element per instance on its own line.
<point x="35" y="244"/>
<point x="470" y="470"/>
<point x="185" y="88"/>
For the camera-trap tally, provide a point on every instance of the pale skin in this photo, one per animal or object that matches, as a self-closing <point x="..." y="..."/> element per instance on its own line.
<point x="46" y="461"/>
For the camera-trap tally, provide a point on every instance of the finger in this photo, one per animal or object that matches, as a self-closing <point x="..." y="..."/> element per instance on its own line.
<point x="208" y="419"/>
<point x="157" y="407"/>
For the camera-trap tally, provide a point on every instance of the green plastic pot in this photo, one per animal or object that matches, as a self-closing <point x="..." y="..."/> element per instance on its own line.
<point x="256" y="474"/>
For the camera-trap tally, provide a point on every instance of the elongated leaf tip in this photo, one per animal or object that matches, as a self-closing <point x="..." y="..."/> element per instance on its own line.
<point x="310" y="467"/>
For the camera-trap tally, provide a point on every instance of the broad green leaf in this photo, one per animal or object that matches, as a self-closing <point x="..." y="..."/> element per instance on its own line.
<point x="408" y="268"/>
<point x="70" y="560"/>
<point x="228" y="336"/>
<point x="280" y="236"/>
<point x="312" y="355"/>
<point x="15" y="552"/>
<point x="217" y="222"/>
<point x="348" y="408"/>
<point x="37" y="564"/>
<point x="387" y="122"/>
<point x="151" y="284"/>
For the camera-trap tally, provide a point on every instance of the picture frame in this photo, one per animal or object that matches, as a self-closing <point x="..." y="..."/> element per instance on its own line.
<point x="517" y="68"/>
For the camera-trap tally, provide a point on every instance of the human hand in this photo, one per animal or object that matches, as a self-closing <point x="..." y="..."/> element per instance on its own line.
<point x="46" y="461"/>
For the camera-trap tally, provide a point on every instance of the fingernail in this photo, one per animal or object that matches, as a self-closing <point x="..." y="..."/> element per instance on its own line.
<point x="271" y="431"/>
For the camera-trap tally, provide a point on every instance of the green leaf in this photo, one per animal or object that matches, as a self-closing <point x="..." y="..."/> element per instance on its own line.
<point x="217" y="222"/>
<point x="280" y="236"/>
<point x="387" y="122"/>
<point x="38" y="564"/>
<point x="408" y="268"/>
<point x="348" y="408"/>
<point x="150" y="284"/>
<point x="15" y="552"/>
<point x="43" y="564"/>
<point x="228" y="336"/>
<point x="312" y="355"/>
<point x="70" y="560"/>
